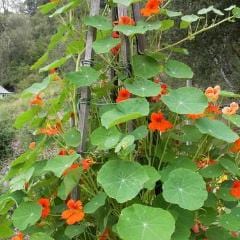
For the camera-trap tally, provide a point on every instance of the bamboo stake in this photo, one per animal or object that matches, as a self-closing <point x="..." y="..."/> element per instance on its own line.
<point x="85" y="93"/>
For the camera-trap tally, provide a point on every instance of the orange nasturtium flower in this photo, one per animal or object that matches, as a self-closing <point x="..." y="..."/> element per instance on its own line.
<point x="213" y="93"/>
<point x="235" y="189"/>
<point x="151" y="8"/>
<point x="115" y="51"/>
<point x="231" y="110"/>
<point x="213" y="109"/>
<point x="74" y="213"/>
<point x="72" y="167"/>
<point x="159" y="123"/>
<point x="19" y="236"/>
<point x="37" y="100"/>
<point x="50" y="130"/>
<point x="87" y="163"/>
<point x="195" y="116"/>
<point x="45" y="203"/>
<point x="125" y="20"/>
<point x="236" y="146"/>
<point x="123" y="94"/>
<point x="32" y="145"/>
<point x="64" y="152"/>
<point x="104" y="235"/>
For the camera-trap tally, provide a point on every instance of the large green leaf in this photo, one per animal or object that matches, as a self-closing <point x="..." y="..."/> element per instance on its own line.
<point x="105" y="45"/>
<point x="235" y="119"/>
<point x="212" y="171"/>
<point x="104" y="138"/>
<point x="40" y="236"/>
<point x="99" y="22"/>
<point x="139" y="222"/>
<point x="145" y="66"/>
<point x="142" y="27"/>
<point x="65" y="8"/>
<point x="69" y="182"/>
<point x="230" y="165"/>
<point x="178" y="69"/>
<point x="95" y="203"/>
<point x="45" y="8"/>
<point x="153" y="176"/>
<point x="143" y="88"/>
<point x="124" y="111"/>
<point x="72" y="231"/>
<point x="6" y="230"/>
<point x="190" y="18"/>
<point x="57" y="63"/>
<point x="38" y="87"/>
<point x="27" y="214"/>
<point x="185" y="188"/>
<point x="231" y="221"/>
<point x="218" y="233"/>
<point x="86" y="76"/>
<point x="72" y="137"/>
<point x="186" y="100"/>
<point x="58" y="164"/>
<point x="125" y="143"/>
<point x="126" y="2"/>
<point x="25" y="117"/>
<point x="122" y="180"/>
<point x="140" y="132"/>
<point x="217" y="129"/>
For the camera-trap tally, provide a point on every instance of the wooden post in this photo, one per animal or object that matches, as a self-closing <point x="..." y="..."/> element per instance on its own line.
<point x="85" y="93"/>
<point x="136" y="8"/>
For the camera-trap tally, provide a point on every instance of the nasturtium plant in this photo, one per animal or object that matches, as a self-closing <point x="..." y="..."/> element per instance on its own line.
<point x="117" y="150"/>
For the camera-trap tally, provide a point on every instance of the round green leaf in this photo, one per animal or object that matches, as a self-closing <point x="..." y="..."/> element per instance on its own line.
<point x="140" y="132"/>
<point x="186" y="100"/>
<point x="185" y="188"/>
<point x="153" y="176"/>
<point x="126" y="142"/>
<point x="86" y="76"/>
<point x="235" y="119"/>
<point x="190" y="18"/>
<point x="72" y="137"/>
<point x="217" y="233"/>
<point x="143" y="88"/>
<point x="27" y="214"/>
<point x="40" y="236"/>
<point x="104" y="138"/>
<point x="139" y="222"/>
<point x="124" y="111"/>
<point x="178" y="69"/>
<point x="99" y="22"/>
<point x="145" y="66"/>
<point x="105" y="45"/>
<point x="122" y="180"/>
<point x="95" y="203"/>
<point x="217" y="129"/>
<point x="230" y="166"/>
<point x="212" y="171"/>
<point x="72" y="231"/>
<point x="58" y="164"/>
<point x="231" y="221"/>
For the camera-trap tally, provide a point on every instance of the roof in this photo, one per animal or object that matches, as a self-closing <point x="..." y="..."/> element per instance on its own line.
<point x="4" y="91"/>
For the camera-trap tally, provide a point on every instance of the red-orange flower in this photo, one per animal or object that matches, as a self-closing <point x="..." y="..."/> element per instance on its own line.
<point x="205" y="162"/>
<point x="125" y="20"/>
<point x="159" y="123"/>
<point x="50" y="130"/>
<point x="115" y="34"/>
<point x="115" y="51"/>
<point x="64" y="152"/>
<point x="213" y="93"/>
<point x="104" y="235"/>
<point x="74" y="213"/>
<point x="45" y="203"/>
<point x="123" y="94"/>
<point x="37" y="100"/>
<point x="19" y="236"/>
<point x="195" y="116"/>
<point x="72" y="167"/>
<point x="151" y="8"/>
<point x="87" y="163"/>
<point x="213" y="109"/>
<point x="235" y="189"/>
<point x="32" y="145"/>
<point x="236" y="146"/>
